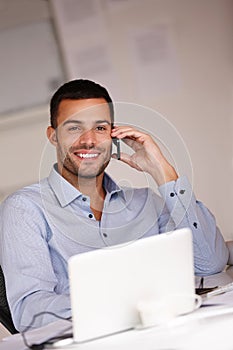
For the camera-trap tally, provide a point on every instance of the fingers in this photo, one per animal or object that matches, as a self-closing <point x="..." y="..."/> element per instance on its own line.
<point x="130" y="134"/>
<point x="122" y="132"/>
<point x="132" y="144"/>
<point x="147" y="155"/>
<point x="127" y="159"/>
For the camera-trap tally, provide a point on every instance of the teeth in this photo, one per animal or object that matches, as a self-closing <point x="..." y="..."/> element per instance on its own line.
<point x="87" y="155"/>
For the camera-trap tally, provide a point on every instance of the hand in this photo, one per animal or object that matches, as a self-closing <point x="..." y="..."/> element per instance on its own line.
<point x="147" y="156"/>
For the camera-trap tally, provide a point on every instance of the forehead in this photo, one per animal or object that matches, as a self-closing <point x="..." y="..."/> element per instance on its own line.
<point x="85" y="110"/>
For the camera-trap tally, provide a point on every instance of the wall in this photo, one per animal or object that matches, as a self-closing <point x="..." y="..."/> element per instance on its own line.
<point x="195" y="92"/>
<point x="28" y="63"/>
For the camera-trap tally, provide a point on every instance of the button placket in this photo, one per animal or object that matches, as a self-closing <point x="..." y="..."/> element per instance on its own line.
<point x="103" y="231"/>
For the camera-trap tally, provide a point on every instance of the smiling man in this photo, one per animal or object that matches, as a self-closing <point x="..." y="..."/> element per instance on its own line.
<point x="79" y="207"/>
<point x="83" y="139"/>
<point x="83" y="142"/>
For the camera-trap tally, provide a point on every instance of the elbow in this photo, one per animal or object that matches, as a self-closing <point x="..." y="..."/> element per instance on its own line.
<point x="213" y="265"/>
<point x="229" y="245"/>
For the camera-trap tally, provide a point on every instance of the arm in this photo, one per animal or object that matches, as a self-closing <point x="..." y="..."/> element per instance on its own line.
<point x="31" y="283"/>
<point x="181" y="207"/>
<point x="183" y="210"/>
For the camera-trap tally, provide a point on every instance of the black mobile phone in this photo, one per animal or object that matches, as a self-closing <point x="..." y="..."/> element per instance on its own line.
<point x="116" y="142"/>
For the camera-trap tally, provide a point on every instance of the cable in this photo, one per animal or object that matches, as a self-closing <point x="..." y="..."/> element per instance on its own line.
<point x="51" y="340"/>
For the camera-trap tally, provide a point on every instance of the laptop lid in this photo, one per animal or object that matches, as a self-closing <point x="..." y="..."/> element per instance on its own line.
<point x="107" y="284"/>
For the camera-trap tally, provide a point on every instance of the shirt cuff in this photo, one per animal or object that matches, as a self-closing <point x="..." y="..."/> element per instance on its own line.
<point x="180" y="201"/>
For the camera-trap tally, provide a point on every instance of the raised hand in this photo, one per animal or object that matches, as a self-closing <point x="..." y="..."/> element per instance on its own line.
<point x="147" y="155"/>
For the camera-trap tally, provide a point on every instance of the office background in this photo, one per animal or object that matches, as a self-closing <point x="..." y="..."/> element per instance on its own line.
<point x="174" y="57"/>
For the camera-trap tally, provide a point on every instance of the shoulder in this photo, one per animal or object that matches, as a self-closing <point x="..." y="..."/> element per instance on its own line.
<point x="28" y="196"/>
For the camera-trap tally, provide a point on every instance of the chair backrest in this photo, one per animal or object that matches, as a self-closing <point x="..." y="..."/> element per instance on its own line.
<point x="5" y="315"/>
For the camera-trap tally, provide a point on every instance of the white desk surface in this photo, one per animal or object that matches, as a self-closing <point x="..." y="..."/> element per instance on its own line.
<point x="210" y="327"/>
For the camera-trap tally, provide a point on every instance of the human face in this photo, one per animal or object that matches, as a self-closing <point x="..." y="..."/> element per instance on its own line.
<point x="83" y="137"/>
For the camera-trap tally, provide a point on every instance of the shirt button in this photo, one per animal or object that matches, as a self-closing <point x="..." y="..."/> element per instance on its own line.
<point x="84" y="199"/>
<point x="105" y="234"/>
<point x="172" y="194"/>
<point x="195" y="224"/>
<point x="90" y="216"/>
<point x="182" y="191"/>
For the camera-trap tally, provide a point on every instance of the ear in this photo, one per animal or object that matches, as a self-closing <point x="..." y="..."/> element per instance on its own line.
<point x="51" y="134"/>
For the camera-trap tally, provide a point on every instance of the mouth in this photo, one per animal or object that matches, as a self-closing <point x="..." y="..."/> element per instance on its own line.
<point x="82" y="155"/>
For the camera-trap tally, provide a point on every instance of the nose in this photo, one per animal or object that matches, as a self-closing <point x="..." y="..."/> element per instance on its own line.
<point x="88" y="138"/>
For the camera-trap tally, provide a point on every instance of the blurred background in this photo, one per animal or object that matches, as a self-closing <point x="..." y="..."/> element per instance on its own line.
<point x="171" y="56"/>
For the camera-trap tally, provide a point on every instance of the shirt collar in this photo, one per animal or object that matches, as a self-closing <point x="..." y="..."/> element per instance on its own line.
<point x="67" y="193"/>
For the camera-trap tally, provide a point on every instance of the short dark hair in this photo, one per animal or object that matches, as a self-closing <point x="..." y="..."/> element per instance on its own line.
<point x="78" y="89"/>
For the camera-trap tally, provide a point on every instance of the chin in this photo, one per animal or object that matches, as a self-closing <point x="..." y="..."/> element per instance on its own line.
<point x="90" y="174"/>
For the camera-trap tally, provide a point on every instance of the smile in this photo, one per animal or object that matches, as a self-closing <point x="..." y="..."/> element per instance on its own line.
<point x="87" y="155"/>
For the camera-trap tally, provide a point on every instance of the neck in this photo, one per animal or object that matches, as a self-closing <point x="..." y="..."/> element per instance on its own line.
<point x="91" y="187"/>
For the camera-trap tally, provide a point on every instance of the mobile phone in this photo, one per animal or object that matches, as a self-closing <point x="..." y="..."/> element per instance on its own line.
<point x="116" y="142"/>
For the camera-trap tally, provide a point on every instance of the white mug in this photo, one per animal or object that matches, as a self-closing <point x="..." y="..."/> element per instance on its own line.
<point x="154" y="312"/>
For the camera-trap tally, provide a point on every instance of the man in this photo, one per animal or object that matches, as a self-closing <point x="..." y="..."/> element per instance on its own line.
<point x="79" y="208"/>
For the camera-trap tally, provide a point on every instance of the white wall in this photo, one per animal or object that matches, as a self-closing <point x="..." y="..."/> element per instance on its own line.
<point x="197" y="100"/>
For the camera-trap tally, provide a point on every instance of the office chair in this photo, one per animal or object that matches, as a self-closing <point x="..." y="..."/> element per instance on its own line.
<point x="5" y="315"/>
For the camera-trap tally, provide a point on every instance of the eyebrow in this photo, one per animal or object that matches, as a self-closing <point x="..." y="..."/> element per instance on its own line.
<point x="74" y="121"/>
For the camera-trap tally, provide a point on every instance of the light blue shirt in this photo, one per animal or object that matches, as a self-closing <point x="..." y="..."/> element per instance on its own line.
<point x="44" y="224"/>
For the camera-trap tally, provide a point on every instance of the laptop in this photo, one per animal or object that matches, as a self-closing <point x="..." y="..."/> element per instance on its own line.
<point x="107" y="284"/>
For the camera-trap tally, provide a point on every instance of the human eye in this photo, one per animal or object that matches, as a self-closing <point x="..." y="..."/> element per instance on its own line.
<point x="73" y="128"/>
<point x="101" y="128"/>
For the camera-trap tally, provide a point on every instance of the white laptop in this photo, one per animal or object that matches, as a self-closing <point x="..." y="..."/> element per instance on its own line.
<point x="107" y="284"/>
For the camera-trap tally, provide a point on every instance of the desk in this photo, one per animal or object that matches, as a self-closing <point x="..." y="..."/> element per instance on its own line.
<point x="210" y="327"/>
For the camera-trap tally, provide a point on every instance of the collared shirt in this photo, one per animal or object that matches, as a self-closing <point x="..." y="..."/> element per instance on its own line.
<point x="44" y="224"/>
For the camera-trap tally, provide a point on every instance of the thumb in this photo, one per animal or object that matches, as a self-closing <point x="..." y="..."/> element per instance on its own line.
<point x="127" y="159"/>
<point x="123" y="157"/>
